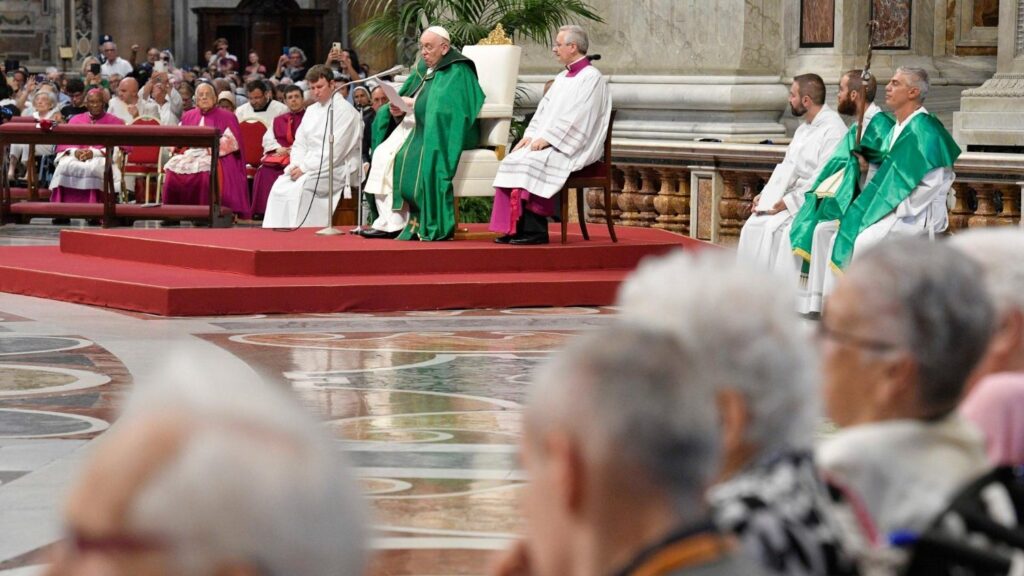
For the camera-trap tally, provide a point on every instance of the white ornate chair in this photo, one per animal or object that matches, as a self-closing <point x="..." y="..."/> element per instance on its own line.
<point x="497" y="67"/>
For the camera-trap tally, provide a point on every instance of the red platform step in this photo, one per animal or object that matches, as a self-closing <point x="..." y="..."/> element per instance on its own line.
<point x="202" y="272"/>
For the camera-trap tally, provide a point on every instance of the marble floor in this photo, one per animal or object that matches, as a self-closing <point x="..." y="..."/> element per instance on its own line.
<point x="426" y="403"/>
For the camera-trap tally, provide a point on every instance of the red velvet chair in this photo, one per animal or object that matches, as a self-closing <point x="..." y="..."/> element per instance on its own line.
<point x="596" y="175"/>
<point x="253" y="130"/>
<point x="142" y="161"/>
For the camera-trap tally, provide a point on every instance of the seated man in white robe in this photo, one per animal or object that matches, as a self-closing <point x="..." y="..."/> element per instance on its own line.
<point x="783" y="196"/>
<point x="566" y="134"/>
<point x="300" y="196"/>
<point x="913" y="181"/>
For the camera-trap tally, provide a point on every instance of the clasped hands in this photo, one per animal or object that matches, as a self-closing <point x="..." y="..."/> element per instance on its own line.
<point x="534" y="144"/>
<point x="83" y="155"/>
<point x="778" y="207"/>
<point x="295" y="173"/>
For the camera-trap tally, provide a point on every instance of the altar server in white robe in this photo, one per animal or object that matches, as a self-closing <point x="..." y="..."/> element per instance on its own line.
<point x="780" y="200"/>
<point x="305" y="179"/>
<point x="567" y="133"/>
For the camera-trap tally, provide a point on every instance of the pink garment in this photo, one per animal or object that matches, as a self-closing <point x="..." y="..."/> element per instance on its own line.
<point x="509" y="205"/>
<point x="996" y="406"/>
<point x="234" y="188"/>
<point x="69" y="194"/>
<point x="87" y="119"/>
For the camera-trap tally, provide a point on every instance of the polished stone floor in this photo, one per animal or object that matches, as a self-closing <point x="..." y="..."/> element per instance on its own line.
<point x="426" y="403"/>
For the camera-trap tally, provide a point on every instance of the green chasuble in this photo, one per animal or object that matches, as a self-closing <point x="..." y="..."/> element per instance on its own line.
<point x="448" y="101"/>
<point x="822" y="207"/>
<point x="923" y="146"/>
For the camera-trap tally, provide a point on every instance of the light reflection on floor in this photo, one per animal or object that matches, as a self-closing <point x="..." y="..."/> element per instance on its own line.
<point x="426" y="403"/>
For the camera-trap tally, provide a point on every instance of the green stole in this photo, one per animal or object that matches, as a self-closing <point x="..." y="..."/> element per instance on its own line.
<point x="447" y="106"/>
<point x="821" y="207"/>
<point x="922" y="146"/>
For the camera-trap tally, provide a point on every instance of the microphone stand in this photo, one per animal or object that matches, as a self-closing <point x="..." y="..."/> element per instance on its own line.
<point x="330" y="230"/>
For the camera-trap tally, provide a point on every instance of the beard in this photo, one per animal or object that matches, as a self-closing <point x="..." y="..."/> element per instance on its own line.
<point x="846" y="107"/>
<point x="798" y="110"/>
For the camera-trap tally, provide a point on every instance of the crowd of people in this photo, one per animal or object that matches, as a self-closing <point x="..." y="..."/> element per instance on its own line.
<point x="687" y="438"/>
<point x="156" y="90"/>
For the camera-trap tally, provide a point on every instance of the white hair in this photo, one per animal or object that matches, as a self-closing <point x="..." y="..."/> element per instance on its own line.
<point x="576" y="35"/>
<point x="631" y="395"/>
<point x="1000" y="251"/>
<point x="49" y="96"/>
<point x="741" y="326"/>
<point x="929" y="297"/>
<point x="917" y="78"/>
<point x="256" y="480"/>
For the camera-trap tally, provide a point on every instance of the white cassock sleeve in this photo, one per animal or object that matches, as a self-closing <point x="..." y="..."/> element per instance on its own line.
<point x="568" y="132"/>
<point x="270" y="142"/>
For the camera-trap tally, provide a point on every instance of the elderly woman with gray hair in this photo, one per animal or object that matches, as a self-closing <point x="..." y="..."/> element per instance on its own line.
<point x="760" y="365"/>
<point x="901" y="336"/>
<point x="43" y="107"/>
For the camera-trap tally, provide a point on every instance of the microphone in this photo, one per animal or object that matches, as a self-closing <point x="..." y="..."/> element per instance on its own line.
<point x="390" y="71"/>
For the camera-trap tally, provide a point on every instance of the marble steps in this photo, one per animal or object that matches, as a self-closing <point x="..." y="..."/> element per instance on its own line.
<point x="221" y="272"/>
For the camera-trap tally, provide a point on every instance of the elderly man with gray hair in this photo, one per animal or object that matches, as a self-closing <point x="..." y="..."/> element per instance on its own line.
<point x="210" y="474"/>
<point x="757" y="360"/>
<point x="907" y="195"/>
<point x="900" y="336"/>
<point x="620" y="441"/>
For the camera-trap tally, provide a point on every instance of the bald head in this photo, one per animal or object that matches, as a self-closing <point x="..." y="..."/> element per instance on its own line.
<point x="128" y="90"/>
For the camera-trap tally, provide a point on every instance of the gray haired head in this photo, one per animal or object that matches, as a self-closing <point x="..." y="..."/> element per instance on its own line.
<point x="576" y="35"/>
<point x="633" y="397"/>
<point x="930" y="297"/>
<point x="1000" y="251"/>
<point x="916" y="78"/>
<point x="741" y="326"/>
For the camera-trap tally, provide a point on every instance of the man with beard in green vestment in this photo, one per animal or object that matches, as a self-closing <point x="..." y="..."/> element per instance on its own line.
<point x="446" y="98"/>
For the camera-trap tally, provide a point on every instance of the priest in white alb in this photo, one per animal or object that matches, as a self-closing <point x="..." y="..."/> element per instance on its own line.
<point x="299" y="197"/>
<point x="818" y="135"/>
<point x="567" y="133"/>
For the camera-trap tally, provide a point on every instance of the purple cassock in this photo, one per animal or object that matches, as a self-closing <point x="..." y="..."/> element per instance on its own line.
<point x="284" y="130"/>
<point x="77" y="180"/>
<point x="187" y="176"/>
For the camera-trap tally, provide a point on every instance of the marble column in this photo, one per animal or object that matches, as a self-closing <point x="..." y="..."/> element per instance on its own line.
<point x="992" y="115"/>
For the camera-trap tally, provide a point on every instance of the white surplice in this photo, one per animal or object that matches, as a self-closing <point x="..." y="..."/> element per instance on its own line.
<point x="273" y="110"/>
<point x="290" y="199"/>
<point x="923" y="212"/>
<point x="380" y="182"/>
<point x="572" y="117"/>
<point x="146" y="108"/>
<point x="812" y="145"/>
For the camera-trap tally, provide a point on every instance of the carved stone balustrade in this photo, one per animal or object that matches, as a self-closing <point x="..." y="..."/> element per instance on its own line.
<point x="705" y="189"/>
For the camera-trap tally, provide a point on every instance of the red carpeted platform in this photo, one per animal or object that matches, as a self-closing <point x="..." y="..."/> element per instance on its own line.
<point x="204" y="272"/>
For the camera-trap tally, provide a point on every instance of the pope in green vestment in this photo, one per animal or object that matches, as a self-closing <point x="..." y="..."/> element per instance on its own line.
<point x="448" y="100"/>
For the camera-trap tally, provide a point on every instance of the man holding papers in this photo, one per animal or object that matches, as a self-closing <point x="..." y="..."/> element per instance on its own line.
<point x="783" y="196"/>
<point x="411" y="171"/>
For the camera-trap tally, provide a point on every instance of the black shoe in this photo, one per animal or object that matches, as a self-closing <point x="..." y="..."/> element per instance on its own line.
<point x="529" y="239"/>
<point x="379" y="234"/>
<point x="503" y="239"/>
<point x="61" y="221"/>
<point x="93" y="222"/>
<point x="169" y="223"/>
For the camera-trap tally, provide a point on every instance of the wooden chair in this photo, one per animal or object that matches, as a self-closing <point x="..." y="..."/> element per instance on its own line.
<point x="596" y="175"/>
<point x="142" y="161"/>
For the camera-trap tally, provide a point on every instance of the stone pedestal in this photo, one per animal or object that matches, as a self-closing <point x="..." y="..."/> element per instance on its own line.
<point x="992" y="115"/>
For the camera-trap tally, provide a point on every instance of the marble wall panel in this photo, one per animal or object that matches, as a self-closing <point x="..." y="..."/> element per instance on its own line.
<point x="894" y="23"/>
<point x="1020" y="29"/>
<point x="817" y="23"/>
<point x="26" y="30"/>
<point x="679" y="37"/>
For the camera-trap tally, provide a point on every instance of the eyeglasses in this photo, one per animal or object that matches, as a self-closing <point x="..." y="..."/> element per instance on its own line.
<point x="824" y="332"/>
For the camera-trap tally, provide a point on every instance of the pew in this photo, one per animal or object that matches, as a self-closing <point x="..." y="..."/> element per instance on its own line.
<point x="111" y="212"/>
